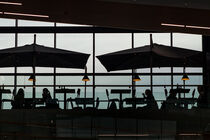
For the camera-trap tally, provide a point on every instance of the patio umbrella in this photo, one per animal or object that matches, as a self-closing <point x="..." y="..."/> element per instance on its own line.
<point x="155" y="55"/>
<point x="41" y="56"/>
<point x="34" y="55"/>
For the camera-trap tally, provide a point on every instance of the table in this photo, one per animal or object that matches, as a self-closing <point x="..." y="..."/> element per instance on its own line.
<point x="3" y="91"/>
<point x="134" y="101"/>
<point x="187" y="101"/>
<point x="65" y="91"/>
<point x="120" y="91"/>
<point x="31" y="102"/>
<point x="84" y="101"/>
<point x="183" y="101"/>
<point x="179" y="91"/>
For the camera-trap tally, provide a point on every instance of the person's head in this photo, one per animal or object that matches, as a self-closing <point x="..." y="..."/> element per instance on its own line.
<point x="172" y="93"/>
<point x="148" y="92"/>
<point x="200" y="89"/>
<point x="45" y="90"/>
<point x="20" y="92"/>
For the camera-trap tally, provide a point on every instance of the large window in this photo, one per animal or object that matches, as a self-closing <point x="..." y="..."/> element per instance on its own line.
<point x="104" y="43"/>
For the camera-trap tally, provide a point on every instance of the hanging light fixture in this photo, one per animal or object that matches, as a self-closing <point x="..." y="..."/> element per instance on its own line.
<point x="85" y="78"/>
<point x="185" y="77"/>
<point x="32" y="78"/>
<point x="136" y="78"/>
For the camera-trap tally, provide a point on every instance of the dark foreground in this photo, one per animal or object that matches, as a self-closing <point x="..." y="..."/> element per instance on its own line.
<point x="44" y="124"/>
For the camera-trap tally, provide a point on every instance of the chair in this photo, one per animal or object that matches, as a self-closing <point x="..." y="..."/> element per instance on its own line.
<point x="132" y="102"/>
<point x="78" y="93"/>
<point x="97" y="102"/>
<point x="110" y="100"/>
<point x="93" y="108"/>
<point x="72" y="105"/>
<point x="166" y="92"/>
<point x="52" y="104"/>
<point x="72" y="100"/>
<point x="193" y="94"/>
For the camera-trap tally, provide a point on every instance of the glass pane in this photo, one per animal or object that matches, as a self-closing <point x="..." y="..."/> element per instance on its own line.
<point x="7" y="41"/>
<point x="34" y="23"/>
<point x="188" y="41"/>
<point x="7" y="22"/>
<point x="76" y="42"/>
<point x="161" y="80"/>
<point x="108" y="43"/>
<point x="73" y="25"/>
<point x="72" y="80"/>
<point x="113" y="80"/>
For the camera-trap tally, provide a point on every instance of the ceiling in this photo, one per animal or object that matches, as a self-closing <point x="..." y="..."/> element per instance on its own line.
<point x="186" y="16"/>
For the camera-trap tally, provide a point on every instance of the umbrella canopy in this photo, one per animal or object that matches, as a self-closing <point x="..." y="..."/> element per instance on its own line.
<point x="151" y="56"/>
<point x="35" y="55"/>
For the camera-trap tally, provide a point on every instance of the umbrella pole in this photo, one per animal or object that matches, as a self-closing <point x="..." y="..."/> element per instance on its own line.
<point x="133" y="71"/>
<point x="151" y="63"/>
<point x="85" y="87"/>
<point x="34" y="83"/>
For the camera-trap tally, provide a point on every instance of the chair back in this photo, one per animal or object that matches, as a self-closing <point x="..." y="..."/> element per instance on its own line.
<point x="107" y="94"/>
<point x="97" y="103"/>
<point x="193" y="93"/>
<point x="78" y="93"/>
<point x="71" y="102"/>
<point x="166" y="92"/>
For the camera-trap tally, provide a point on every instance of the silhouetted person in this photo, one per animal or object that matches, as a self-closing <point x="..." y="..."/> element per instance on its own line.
<point x="150" y="100"/>
<point x="171" y="101"/>
<point x="46" y="95"/>
<point x="202" y="99"/>
<point x="50" y="103"/>
<point x="18" y="102"/>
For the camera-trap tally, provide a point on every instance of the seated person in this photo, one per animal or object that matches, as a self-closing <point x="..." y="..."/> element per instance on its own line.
<point x="171" y="102"/>
<point x="50" y="103"/>
<point x="18" y="102"/>
<point x="202" y="99"/>
<point x="46" y="95"/>
<point x="150" y="100"/>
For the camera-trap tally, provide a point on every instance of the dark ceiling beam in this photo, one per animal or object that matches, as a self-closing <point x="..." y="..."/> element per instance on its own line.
<point x="68" y="30"/>
<point x="102" y="13"/>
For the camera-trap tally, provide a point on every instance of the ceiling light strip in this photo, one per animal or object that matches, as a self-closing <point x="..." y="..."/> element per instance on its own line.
<point x="173" y="25"/>
<point x="10" y="3"/>
<point x="186" y="26"/>
<point x="189" y="134"/>
<point x="28" y="15"/>
<point x="123" y="135"/>
<point x="198" y="27"/>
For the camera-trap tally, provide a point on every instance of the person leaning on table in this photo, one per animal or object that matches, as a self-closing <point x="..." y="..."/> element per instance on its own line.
<point x="18" y="102"/>
<point x="50" y="103"/>
<point x="150" y="100"/>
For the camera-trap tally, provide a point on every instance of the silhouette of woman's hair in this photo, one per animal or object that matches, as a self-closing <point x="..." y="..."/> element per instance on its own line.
<point x="20" y="91"/>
